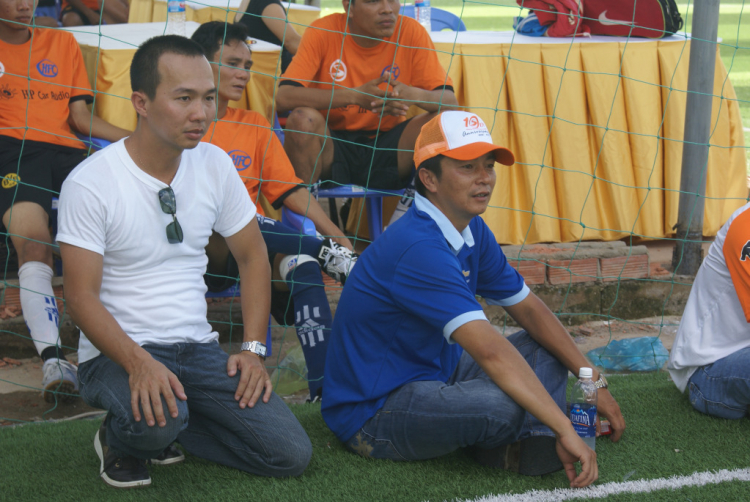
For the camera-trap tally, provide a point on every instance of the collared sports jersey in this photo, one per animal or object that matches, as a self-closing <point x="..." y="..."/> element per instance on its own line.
<point x="325" y="57"/>
<point x="715" y="322"/>
<point x="411" y="289"/>
<point x="38" y="80"/>
<point x="257" y="154"/>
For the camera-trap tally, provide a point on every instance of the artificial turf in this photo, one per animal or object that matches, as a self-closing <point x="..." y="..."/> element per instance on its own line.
<point x="664" y="437"/>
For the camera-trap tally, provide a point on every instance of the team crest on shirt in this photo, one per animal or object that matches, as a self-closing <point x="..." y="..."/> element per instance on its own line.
<point x="10" y="180"/>
<point x="2" y="69"/>
<point x="745" y="253"/>
<point x="337" y="70"/>
<point x="241" y="159"/>
<point x="47" y="68"/>
<point x="393" y="69"/>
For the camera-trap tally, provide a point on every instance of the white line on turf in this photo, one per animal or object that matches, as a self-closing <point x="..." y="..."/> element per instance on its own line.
<point x="642" y="486"/>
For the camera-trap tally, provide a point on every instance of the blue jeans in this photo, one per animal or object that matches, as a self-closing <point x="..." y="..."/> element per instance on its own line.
<point x="266" y="440"/>
<point x="722" y="389"/>
<point x="429" y="419"/>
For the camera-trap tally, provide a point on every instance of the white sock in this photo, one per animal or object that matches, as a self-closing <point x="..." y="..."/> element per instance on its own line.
<point x="38" y="304"/>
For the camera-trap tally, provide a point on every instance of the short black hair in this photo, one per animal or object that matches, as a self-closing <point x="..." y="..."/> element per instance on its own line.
<point x="212" y="35"/>
<point x="431" y="164"/>
<point x="144" y="70"/>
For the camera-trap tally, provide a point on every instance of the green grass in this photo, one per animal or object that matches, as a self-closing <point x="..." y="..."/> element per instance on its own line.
<point x="59" y="463"/>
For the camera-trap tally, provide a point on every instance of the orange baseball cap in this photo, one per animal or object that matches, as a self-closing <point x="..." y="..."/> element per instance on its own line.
<point x="460" y="136"/>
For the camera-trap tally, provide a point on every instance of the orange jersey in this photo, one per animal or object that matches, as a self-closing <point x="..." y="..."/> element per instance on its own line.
<point x="737" y="255"/>
<point x="325" y="57"/>
<point x="257" y="154"/>
<point x="38" y="80"/>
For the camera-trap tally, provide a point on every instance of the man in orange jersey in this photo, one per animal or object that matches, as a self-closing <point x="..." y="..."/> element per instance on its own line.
<point x="353" y="79"/>
<point x="44" y="90"/>
<point x="264" y="167"/>
<point x="711" y="353"/>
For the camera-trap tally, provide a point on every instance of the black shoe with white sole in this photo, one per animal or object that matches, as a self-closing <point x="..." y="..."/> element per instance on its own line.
<point x="117" y="470"/>
<point x="171" y="455"/>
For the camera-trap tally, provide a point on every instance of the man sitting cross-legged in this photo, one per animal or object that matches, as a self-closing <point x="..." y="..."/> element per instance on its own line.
<point x="44" y="90"/>
<point x="341" y="126"/>
<point x="710" y="357"/>
<point x="264" y="167"/>
<point x="415" y="370"/>
<point x="134" y="223"/>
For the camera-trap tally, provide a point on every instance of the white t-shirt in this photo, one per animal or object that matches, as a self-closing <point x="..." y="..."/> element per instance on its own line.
<point x="715" y="322"/>
<point x="154" y="289"/>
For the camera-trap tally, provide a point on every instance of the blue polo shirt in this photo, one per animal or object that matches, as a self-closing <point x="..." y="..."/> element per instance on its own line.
<point x="411" y="289"/>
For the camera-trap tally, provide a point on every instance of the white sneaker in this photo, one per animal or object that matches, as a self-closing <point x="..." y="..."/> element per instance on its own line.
<point x="336" y="260"/>
<point x="61" y="379"/>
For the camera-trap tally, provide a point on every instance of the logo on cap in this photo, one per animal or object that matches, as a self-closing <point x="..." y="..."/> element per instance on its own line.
<point x="337" y="70"/>
<point x="473" y="122"/>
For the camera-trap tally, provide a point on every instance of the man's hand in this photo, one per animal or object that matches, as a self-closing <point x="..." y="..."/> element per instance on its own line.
<point x="149" y="380"/>
<point x="253" y="377"/>
<point x="392" y="106"/>
<point x="608" y="407"/>
<point x="572" y="449"/>
<point x="369" y="90"/>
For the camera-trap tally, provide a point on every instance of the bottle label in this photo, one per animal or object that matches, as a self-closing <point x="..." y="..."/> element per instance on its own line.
<point x="173" y="6"/>
<point x="583" y="417"/>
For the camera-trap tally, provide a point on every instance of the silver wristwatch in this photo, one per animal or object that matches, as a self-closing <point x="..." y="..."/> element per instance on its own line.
<point x="254" y="347"/>
<point x="602" y="382"/>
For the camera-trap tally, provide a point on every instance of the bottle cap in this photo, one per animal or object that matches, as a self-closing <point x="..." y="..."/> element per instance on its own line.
<point x="585" y="373"/>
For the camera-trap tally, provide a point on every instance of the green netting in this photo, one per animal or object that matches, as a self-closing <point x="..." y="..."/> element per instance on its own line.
<point x="493" y="77"/>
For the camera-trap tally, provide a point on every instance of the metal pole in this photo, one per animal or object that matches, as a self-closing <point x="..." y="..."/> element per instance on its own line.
<point x="689" y="228"/>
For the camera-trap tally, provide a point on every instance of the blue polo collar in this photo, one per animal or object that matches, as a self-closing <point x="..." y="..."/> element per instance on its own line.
<point x="455" y="239"/>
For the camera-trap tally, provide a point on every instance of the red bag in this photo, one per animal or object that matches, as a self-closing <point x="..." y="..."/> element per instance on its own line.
<point x="635" y="18"/>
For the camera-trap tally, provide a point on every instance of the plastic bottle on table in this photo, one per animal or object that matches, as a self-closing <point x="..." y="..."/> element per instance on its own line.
<point x="422" y="13"/>
<point x="583" y="407"/>
<point x="176" y="17"/>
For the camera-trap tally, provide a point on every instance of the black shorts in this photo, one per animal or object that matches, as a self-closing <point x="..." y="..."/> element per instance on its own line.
<point x="39" y="175"/>
<point x="355" y="163"/>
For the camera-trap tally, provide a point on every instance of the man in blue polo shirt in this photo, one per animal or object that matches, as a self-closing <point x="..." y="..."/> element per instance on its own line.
<point x="414" y="368"/>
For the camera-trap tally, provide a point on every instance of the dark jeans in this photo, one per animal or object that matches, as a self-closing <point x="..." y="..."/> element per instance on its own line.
<point x="266" y="440"/>
<point x="429" y="419"/>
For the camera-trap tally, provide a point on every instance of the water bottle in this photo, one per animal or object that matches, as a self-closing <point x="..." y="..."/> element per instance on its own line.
<point x="583" y="407"/>
<point x="176" y="17"/>
<point x="422" y="13"/>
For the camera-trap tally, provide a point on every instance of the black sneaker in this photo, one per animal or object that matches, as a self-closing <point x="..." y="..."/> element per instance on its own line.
<point x="533" y="456"/>
<point x="171" y="455"/>
<point x="119" y="471"/>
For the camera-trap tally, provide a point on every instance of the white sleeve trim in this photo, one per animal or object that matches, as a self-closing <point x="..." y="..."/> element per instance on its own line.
<point x="512" y="300"/>
<point x="457" y="322"/>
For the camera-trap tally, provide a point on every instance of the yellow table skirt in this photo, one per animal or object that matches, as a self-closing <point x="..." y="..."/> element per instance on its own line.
<point x="597" y="131"/>
<point x="152" y="11"/>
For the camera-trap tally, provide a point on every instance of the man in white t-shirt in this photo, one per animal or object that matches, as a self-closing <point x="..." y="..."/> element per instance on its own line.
<point x="711" y="353"/>
<point x="134" y="221"/>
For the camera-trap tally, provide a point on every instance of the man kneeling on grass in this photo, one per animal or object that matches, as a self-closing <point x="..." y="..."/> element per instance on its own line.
<point x="415" y="370"/>
<point x="134" y="222"/>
